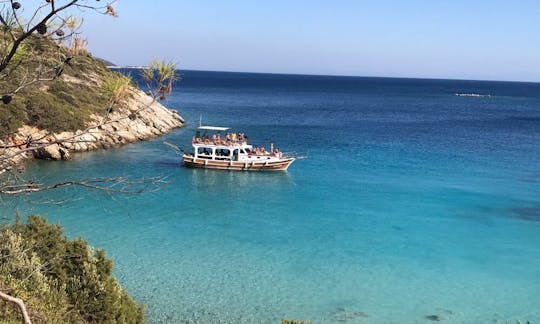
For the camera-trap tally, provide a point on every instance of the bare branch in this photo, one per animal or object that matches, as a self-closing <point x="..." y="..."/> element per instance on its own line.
<point x="36" y="12"/>
<point x="19" y="303"/>
<point x="16" y="16"/>
<point x="112" y="185"/>
<point x="57" y="72"/>
<point x="17" y="42"/>
<point x="5" y="23"/>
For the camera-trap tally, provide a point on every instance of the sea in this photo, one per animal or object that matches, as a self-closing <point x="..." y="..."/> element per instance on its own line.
<point x="412" y="201"/>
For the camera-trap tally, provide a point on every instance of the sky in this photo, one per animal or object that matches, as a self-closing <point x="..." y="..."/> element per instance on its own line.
<point x="456" y="39"/>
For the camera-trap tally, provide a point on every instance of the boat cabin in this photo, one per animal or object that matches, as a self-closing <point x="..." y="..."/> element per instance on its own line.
<point x="223" y="153"/>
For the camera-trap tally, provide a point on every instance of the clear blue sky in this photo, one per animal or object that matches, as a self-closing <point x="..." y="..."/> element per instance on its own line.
<point x="473" y="39"/>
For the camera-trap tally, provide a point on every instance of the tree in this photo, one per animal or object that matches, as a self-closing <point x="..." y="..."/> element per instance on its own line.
<point x="25" y="65"/>
<point x="37" y="46"/>
<point x="20" y="69"/>
<point x="49" y="19"/>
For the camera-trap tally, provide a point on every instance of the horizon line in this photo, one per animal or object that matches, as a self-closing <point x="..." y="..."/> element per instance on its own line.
<point x="332" y="75"/>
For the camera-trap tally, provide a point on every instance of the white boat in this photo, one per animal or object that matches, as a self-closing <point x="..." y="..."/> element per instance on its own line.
<point x="211" y="150"/>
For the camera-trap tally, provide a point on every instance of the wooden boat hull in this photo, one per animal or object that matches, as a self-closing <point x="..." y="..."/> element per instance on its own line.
<point x="272" y="165"/>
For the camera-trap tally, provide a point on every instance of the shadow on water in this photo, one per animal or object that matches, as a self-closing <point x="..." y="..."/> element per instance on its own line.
<point x="236" y="179"/>
<point x="169" y="164"/>
<point x="527" y="213"/>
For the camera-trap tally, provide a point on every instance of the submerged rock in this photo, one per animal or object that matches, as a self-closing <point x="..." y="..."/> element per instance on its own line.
<point x="435" y="318"/>
<point x="344" y="315"/>
<point x="530" y="213"/>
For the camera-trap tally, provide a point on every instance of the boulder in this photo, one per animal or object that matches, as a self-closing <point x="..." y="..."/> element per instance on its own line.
<point x="52" y="152"/>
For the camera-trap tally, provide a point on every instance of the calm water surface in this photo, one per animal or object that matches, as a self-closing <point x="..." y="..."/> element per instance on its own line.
<point x="412" y="202"/>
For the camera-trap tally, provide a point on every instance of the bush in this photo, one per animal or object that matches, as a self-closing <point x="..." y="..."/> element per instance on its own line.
<point x="12" y="117"/>
<point x="60" y="280"/>
<point x="64" y="104"/>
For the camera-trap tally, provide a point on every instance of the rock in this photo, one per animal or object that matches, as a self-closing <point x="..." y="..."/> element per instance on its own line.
<point x="435" y="318"/>
<point x="140" y="119"/>
<point x="52" y="152"/>
<point x="127" y="136"/>
<point x="344" y="315"/>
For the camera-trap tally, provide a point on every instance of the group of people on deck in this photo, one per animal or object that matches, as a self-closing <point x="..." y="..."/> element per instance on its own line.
<point x="230" y="139"/>
<point x="261" y="151"/>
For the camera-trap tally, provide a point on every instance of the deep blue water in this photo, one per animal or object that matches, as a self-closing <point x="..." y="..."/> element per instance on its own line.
<point x="412" y="202"/>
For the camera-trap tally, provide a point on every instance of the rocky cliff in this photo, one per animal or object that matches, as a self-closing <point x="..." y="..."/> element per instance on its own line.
<point x="86" y="107"/>
<point x="140" y="118"/>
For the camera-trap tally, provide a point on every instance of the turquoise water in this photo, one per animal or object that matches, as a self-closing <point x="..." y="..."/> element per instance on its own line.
<point x="411" y="202"/>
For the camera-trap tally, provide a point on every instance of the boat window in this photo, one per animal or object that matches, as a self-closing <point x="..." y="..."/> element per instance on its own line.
<point x="223" y="152"/>
<point x="204" y="150"/>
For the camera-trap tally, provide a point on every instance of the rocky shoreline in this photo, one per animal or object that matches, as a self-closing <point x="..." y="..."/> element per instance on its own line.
<point x="141" y="119"/>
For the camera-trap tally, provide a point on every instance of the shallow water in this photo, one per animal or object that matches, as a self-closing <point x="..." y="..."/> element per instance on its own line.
<point x="412" y="202"/>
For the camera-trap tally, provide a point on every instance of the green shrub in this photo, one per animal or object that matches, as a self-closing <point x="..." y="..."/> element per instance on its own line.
<point x="63" y="107"/>
<point x="64" y="104"/>
<point x="116" y="86"/>
<point x="12" y="116"/>
<point x="60" y="280"/>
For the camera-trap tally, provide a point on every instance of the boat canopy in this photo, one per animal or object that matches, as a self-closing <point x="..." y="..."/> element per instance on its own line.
<point x="213" y="128"/>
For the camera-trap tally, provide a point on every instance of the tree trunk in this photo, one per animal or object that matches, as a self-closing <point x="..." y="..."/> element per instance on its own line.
<point x="19" y="303"/>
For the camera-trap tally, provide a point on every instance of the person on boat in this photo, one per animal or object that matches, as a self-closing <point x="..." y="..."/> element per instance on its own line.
<point x="233" y="137"/>
<point x="278" y="153"/>
<point x="259" y="151"/>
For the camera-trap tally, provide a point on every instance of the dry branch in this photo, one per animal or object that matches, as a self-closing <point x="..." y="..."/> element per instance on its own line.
<point x="19" y="303"/>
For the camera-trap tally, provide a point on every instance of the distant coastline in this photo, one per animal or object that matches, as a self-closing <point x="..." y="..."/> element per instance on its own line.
<point x="116" y="67"/>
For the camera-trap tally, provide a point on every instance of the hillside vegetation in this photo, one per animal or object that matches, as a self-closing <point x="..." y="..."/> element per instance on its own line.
<point x="85" y="86"/>
<point x="60" y="280"/>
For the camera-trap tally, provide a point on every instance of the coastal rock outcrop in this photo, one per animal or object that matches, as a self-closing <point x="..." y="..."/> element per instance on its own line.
<point x="142" y="118"/>
<point x="52" y="152"/>
<point x="85" y="106"/>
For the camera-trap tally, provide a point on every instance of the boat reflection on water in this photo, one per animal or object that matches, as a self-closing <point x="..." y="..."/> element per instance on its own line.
<point x="238" y="182"/>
